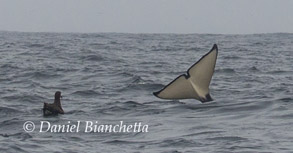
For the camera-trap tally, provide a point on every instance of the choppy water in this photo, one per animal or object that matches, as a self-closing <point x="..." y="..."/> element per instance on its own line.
<point x="110" y="78"/>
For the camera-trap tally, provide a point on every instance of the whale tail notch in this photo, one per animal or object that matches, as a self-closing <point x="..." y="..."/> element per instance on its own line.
<point x="194" y="84"/>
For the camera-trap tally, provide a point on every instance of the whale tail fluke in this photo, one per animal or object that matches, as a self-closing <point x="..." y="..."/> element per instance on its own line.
<point x="194" y="84"/>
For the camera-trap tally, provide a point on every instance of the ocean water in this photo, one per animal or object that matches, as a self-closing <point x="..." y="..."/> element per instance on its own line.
<point x="110" y="77"/>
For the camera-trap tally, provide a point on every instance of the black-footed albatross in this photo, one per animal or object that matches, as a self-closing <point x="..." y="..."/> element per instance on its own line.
<point x="54" y="108"/>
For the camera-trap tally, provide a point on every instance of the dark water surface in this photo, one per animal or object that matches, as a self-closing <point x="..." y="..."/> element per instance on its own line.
<point x="110" y="78"/>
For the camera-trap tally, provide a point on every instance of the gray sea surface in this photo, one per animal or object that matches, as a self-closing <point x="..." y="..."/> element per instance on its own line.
<point x="110" y="77"/>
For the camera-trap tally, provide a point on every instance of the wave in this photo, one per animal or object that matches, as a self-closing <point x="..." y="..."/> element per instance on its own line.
<point x="24" y="98"/>
<point x="286" y="99"/>
<point x="179" y="142"/>
<point x="225" y="70"/>
<point x="9" y="111"/>
<point x="254" y="69"/>
<point x="229" y="138"/>
<point x="280" y="72"/>
<point x="232" y="57"/>
<point x="35" y="45"/>
<point x="87" y="93"/>
<point x="21" y="135"/>
<point x="93" y="58"/>
<point x="40" y="74"/>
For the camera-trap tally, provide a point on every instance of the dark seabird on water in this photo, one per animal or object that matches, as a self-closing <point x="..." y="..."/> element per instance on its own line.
<point x="54" y="108"/>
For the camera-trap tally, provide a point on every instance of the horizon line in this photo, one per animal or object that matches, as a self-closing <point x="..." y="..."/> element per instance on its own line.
<point x="173" y="33"/>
